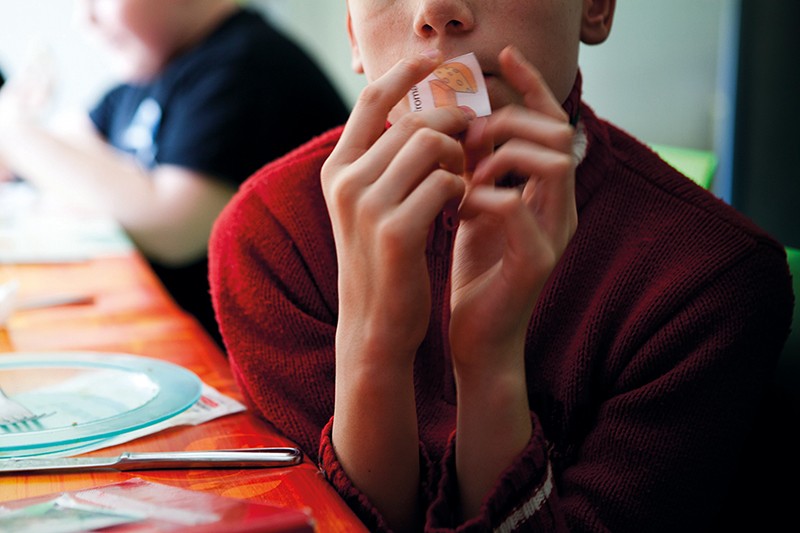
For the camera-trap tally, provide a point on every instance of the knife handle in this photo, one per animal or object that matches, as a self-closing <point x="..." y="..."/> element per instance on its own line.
<point x="250" y="458"/>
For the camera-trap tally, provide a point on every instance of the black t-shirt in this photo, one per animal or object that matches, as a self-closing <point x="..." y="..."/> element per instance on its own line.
<point x="241" y="98"/>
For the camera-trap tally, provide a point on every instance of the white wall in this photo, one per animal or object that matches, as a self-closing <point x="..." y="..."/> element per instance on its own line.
<point x="656" y="76"/>
<point x="319" y="25"/>
<point x="80" y="68"/>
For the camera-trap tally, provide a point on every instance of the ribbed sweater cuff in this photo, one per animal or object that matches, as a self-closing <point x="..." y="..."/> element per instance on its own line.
<point x="357" y="500"/>
<point x="521" y="496"/>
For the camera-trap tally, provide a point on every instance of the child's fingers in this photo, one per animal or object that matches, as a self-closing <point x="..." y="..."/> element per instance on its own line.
<point x="524" y="240"/>
<point x="448" y="121"/>
<point x="368" y="118"/>
<point x="439" y="188"/>
<point x="528" y="81"/>
<point x="522" y="123"/>
<point x="522" y="158"/>
<point x="424" y="152"/>
<point x="549" y="188"/>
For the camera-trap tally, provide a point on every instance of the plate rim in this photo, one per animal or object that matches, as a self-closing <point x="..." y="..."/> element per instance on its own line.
<point x="98" y="429"/>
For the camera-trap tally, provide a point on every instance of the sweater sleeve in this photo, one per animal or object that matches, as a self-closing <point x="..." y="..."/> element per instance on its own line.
<point x="680" y="387"/>
<point x="652" y="345"/>
<point x="524" y="497"/>
<point x="275" y="308"/>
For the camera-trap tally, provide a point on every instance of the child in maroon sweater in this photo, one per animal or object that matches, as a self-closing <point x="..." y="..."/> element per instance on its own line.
<point x="584" y="351"/>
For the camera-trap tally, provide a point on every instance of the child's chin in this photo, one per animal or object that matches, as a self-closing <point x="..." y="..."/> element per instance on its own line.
<point x="500" y="95"/>
<point x="135" y="71"/>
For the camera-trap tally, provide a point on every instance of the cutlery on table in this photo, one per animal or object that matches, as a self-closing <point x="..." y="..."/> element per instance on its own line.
<point x="244" y="458"/>
<point x="10" y="301"/>
<point x="55" y="300"/>
<point x="13" y="413"/>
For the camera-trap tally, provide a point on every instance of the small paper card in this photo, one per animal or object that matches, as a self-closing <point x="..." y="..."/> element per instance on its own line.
<point x="458" y="81"/>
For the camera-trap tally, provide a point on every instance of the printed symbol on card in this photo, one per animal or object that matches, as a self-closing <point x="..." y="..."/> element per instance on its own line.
<point x="457" y="81"/>
<point x="451" y="78"/>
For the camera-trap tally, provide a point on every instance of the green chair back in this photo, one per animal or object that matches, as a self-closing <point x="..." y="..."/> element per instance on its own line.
<point x="699" y="165"/>
<point x="791" y="351"/>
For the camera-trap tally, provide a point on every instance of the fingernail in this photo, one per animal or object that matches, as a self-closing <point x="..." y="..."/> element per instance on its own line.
<point x="516" y="54"/>
<point x="468" y="112"/>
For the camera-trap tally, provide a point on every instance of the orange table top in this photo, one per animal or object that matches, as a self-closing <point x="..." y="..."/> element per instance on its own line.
<point x="132" y="313"/>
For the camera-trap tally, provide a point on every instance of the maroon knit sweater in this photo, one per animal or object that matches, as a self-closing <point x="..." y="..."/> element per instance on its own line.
<point x="646" y="353"/>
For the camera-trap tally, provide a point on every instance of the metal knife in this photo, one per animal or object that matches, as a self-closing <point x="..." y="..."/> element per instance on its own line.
<point x="244" y="458"/>
<point x="54" y="300"/>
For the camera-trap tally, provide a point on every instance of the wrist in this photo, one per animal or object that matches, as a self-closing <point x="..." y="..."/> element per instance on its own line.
<point x="480" y="364"/>
<point x="492" y="391"/>
<point x="371" y="371"/>
<point x="373" y="350"/>
<point x="493" y="388"/>
<point x="493" y="427"/>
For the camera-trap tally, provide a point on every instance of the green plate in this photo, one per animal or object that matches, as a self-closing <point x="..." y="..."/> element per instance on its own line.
<point x="89" y="396"/>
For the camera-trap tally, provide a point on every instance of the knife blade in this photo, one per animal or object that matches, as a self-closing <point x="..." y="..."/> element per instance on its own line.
<point x="245" y="458"/>
<point x="54" y="300"/>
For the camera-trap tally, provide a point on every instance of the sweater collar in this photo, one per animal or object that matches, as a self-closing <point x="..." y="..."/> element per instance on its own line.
<point x="592" y="148"/>
<point x="572" y="105"/>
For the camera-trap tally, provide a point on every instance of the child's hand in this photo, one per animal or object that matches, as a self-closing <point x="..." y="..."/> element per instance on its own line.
<point x="510" y="239"/>
<point x="26" y="95"/>
<point x="383" y="191"/>
<point x="508" y="243"/>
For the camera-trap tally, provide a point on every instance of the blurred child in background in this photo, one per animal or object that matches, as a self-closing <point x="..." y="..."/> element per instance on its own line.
<point x="210" y="92"/>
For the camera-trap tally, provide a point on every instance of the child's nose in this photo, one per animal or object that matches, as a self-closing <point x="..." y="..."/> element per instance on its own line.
<point x="439" y="17"/>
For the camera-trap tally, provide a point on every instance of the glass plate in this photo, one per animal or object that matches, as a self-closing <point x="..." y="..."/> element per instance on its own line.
<point x="88" y="396"/>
